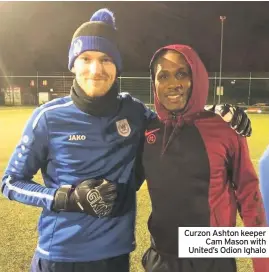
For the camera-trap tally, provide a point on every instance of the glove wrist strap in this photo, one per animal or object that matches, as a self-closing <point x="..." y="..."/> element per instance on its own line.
<point x="61" y="198"/>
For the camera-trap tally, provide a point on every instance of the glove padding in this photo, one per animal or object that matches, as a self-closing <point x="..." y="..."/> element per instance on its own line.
<point x="94" y="197"/>
<point x="64" y="200"/>
<point x="234" y="115"/>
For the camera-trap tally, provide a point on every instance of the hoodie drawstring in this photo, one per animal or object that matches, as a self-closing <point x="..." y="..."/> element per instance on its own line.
<point x="177" y="122"/>
<point x="164" y="138"/>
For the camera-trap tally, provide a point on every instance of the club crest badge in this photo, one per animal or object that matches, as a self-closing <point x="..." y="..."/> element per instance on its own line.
<point x="123" y="128"/>
<point x="77" y="47"/>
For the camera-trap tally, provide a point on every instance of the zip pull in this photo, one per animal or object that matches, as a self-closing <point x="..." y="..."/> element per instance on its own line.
<point x="174" y="116"/>
<point x="165" y="145"/>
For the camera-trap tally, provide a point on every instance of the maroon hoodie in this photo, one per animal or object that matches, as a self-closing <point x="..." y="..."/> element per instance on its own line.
<point x="199" y="95"/>
<point x="198" y="169"/>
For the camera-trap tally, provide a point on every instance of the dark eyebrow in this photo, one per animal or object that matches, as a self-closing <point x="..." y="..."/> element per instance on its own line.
<point x="184" y="69"/>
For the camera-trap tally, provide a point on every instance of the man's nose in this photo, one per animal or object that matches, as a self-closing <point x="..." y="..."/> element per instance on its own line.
<point x="95" y="67"/>
<point x="175" y="83"/>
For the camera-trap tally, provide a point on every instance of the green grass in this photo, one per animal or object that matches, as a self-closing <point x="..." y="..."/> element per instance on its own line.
<point x="18" y="222"/>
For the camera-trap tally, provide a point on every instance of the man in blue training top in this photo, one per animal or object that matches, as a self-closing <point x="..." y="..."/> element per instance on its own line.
<point x="86" y="146"/>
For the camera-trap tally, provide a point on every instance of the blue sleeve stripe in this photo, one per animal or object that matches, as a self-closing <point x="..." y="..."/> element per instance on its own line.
<point x="25" y="192"/>
<point x="50" y="108"/>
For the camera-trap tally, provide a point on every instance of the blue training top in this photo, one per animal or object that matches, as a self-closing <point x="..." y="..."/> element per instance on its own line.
<point x="69" y="146"/>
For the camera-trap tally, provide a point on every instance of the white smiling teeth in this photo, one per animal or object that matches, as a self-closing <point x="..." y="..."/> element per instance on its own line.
<point x="173" y="96"/>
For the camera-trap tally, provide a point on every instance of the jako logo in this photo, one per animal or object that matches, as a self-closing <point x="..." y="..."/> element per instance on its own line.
<point x="77" y="138"/>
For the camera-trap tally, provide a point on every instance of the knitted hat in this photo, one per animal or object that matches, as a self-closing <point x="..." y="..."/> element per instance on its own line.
<point x="99" y="34"/>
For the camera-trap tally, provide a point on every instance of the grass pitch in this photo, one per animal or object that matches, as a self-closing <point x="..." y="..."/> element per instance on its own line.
<point x="19" y="222"/>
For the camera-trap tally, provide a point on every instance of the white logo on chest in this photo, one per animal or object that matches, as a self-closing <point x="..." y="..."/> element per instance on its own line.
<point x="77" y="138"/>
<point x="123" y="128"/>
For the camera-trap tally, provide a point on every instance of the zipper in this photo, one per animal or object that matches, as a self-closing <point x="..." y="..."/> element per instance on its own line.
<point x="174" y="116"/>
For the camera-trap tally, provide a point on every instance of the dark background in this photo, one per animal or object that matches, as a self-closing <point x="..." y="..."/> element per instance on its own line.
<point x="36" y="35"/>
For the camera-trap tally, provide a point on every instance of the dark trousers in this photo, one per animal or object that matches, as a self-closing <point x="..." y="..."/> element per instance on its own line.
<point x="152" y="261"/>
<point x="115" y="264"/>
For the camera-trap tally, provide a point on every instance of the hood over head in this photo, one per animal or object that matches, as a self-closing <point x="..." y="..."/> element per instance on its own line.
<point x="199" y="86"/>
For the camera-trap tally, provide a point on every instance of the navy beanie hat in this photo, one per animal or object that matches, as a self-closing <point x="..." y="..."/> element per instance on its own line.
<point x="99" y="34"/>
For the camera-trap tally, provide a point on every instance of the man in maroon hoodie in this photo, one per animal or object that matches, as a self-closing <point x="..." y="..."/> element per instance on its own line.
<point x="198" y="169"/>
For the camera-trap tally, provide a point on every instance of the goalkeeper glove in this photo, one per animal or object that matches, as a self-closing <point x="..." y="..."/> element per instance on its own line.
<point x="94" y="197"/>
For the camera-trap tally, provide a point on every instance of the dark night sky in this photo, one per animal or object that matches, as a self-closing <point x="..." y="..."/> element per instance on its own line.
<point x="36" y="35"/>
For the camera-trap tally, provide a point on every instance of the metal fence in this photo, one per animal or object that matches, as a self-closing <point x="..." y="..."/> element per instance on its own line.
<point x="238" y="88"/>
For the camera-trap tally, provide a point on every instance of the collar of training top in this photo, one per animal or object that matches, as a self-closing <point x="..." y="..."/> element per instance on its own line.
<point x="106" y="105"/>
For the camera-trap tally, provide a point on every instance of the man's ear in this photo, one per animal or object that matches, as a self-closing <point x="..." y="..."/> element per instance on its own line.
<point x="73" y="70"/>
